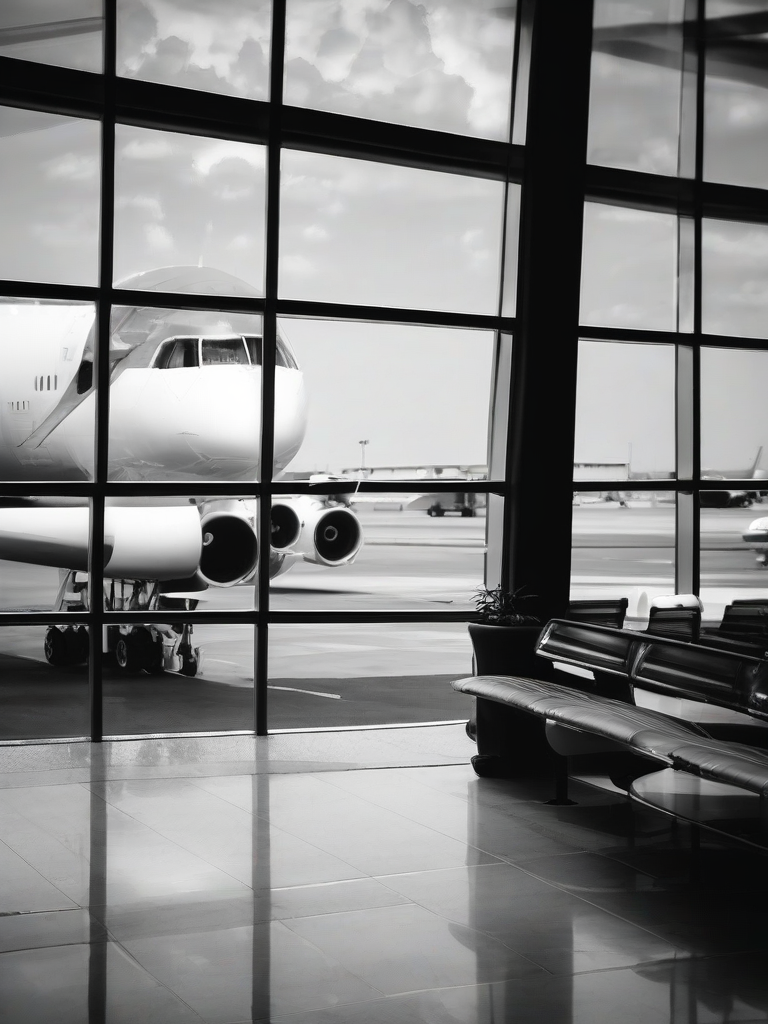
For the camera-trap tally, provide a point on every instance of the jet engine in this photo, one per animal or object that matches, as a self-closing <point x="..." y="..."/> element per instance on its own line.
<point x="327" y="535"/>
<point x="216" y="543"/>
<point x="230" y="548"/>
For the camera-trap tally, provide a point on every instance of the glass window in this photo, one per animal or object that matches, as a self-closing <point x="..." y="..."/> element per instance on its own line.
<point x="734" y="544"/>
<point x="324" y="676"/>
<point x="169" y="678"/>
<point x="221" y="48"/>
<point x="44" y="552"/>
<point x="185" y="204"/>
<point x="442" y="64"/>
<point x="176" y="553"/>
<point x="173" y="416"/>
<point x="623" y="546"/>
<point x="736" y="101"/>
<point x="629" y="268"/>
<point x="43" y="682"/>
<point x="734" y="417"/>
<point x="67" y="33"/>
<point x="634" y="112"/>
<point x="625" y="411"/>
<point x="49" y="197"/>
<point x="379" y="234"/>
<point x="393" y="551"/>
<point x="46" y="410"/>
<point x="735" y="278"/>
<point x="441" y="378"/>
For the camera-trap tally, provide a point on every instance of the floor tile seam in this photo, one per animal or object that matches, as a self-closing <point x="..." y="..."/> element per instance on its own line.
<point x="75" y="904"/>
<point x="174" y="995"/>
<point x="626" y="920"/>
<point x="178" y="845"/>
<point x="443" y="917"/>
<point x="416" y="821"/>
<point x="462" y="803"/>
<point x="324" y="954"/>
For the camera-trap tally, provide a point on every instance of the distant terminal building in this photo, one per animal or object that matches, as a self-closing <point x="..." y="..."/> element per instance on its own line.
<point x="590" y="471"/>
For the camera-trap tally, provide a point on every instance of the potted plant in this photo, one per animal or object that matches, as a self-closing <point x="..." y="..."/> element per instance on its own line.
<point x="509" y="742"/>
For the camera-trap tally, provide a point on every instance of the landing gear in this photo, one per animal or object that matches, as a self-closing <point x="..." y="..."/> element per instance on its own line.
<point x="139" y="649"/>
<point x="467" y="513"/>
<point x="435" y="510"/>
<point x="66" y="645"/>
<point x="156" y="648"/>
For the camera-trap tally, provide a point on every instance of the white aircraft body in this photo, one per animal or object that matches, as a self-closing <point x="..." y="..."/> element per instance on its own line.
<point x="185" y="405"/>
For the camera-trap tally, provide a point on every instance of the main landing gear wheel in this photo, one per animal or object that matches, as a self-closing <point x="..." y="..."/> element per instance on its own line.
<point x="136" y="651"/>
<point x="63" y="647"/>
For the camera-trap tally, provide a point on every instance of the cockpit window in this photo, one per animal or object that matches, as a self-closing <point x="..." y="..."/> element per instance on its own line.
<point x="254" y="349"/>
<point x="178" y="352"/>
<point x="283" y="355"/>
<point x="224" y="352"/>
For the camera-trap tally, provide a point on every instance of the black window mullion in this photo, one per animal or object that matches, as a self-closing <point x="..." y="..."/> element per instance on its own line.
<point x="101" y="355"/>
<point x="266" y="461"/>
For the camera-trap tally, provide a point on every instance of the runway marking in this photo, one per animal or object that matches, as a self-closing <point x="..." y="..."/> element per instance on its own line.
<point x="315" y="693"/>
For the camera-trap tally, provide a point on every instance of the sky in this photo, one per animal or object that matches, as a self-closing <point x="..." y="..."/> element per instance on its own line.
<point x="355" y="231"/>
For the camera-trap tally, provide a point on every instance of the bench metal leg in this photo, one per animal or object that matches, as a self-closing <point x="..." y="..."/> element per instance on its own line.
<point x="561" y="782"/>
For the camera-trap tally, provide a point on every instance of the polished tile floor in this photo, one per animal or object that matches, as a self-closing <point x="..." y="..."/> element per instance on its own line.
<point x="355" y="877"/>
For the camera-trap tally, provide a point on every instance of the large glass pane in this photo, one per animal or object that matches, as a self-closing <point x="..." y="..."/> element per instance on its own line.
<point x="634" y="113"/>
<point x="734" y="417"/>
<point x="221" y="48"/>
<point x="327" y="676"/>
<point x="46" y="397"/>
<point x="734" y="543"/>
<point x="49" y="197"/>
<point x="171" y="678"/>
<point x="736" y="97"/>
<point x="179" y="553"/>
<point x="391" y="551"/>
<point x="623" y="546"/>
<point x="67" y="33"/>
<point x="44" y="552"/>
<point x="43" y="682"/>
<point x="189" y="213"/>
<point x="361" y="232"/>
<point x="625" y="411"/>
<point x="629" y="269"/>
<point x="442" y="380"/>
<point x="185" y="396"/>
<point x="442" y="64"/>
<point x="735" y="278"/>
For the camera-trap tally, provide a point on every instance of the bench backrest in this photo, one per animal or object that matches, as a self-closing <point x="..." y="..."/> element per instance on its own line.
<point x="745" y="618"/>
<point x="588" y="646"/>
<point x="601" y="612"/>
<point x="671" y="667"/>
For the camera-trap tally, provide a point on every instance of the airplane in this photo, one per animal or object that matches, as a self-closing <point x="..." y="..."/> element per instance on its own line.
<point x="185" y="403"/>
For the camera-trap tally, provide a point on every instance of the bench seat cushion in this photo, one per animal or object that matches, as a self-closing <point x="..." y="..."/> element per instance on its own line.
<point x="683" y="745"/>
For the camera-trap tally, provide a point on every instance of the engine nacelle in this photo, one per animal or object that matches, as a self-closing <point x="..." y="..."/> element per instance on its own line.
<point x="215" y="543"/>
<point x="329" y="536"/>
<point x="229" y="545"/>
<point x="286" y="525"/>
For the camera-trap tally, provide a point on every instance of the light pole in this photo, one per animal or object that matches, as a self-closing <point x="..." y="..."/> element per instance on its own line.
<point x="362" y="456"/>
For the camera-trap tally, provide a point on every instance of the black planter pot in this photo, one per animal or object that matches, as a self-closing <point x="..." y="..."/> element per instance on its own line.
<point x="510" y="743"/>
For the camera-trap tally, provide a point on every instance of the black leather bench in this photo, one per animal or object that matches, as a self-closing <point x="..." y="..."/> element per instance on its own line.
<point x="613" y="725"/>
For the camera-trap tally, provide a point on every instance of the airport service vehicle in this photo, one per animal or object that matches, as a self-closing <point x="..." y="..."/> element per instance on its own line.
<point x="756" y="535"/>
<point x="185" y="405"/>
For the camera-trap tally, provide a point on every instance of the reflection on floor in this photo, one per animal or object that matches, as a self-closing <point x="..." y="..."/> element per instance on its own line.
<point x="318" y="880"/>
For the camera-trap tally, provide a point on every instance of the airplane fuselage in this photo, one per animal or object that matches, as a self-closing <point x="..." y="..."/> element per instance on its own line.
<point x="172" y="417"/>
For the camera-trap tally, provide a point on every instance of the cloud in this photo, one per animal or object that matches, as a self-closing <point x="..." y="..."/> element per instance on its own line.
<point x="74" y="167"/>
<point x="159" y="239"/>
<point x="315" y="233"/>
<point x="298" y="265"/>
<point x="152" y="147"/>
